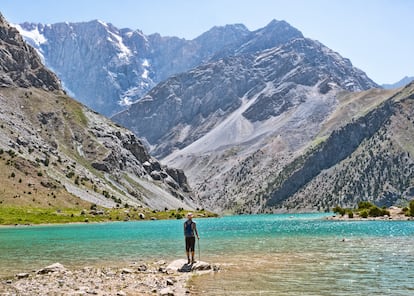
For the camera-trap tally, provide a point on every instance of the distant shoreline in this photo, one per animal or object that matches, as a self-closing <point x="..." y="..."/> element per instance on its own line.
<point x="396" y="214"/>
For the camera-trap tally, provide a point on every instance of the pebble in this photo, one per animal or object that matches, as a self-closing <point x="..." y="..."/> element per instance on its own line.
<point x="22" y="275"/>
<point x="126" y="271"/>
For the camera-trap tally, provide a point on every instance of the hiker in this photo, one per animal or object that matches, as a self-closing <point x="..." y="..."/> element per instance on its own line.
<point x="190" y="228"/>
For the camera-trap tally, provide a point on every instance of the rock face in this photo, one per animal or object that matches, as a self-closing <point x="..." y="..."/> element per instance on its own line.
<point x="19" y="65"/>
<point x="107" y="68"/>
<point x="68" y="153"/>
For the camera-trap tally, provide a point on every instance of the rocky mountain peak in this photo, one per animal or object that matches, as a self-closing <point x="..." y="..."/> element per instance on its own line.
<point x="274" y="34"/>
<point x="227" y="33"/>
<point x="19" y="63"/>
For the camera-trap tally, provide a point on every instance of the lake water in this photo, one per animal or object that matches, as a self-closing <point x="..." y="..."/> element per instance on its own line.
<point x="301" y="254"/>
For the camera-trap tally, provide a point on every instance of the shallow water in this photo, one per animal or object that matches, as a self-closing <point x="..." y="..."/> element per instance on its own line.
<point x="300" y="254"/>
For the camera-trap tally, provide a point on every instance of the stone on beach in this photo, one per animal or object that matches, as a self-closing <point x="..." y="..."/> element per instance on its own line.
<point x="181" y="265"/>
<point x="22" y="275"/>
<point x="55" y="267"/>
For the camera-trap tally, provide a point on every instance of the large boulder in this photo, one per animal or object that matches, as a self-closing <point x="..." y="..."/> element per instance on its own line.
<point x="181" y="265"/>
<point x="55" y="267"/>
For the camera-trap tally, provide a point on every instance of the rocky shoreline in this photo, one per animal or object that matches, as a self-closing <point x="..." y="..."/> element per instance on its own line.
<point x="159" y="278"/>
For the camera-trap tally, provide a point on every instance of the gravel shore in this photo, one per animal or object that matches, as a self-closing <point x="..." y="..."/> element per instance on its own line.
<point x="157" y="278"/>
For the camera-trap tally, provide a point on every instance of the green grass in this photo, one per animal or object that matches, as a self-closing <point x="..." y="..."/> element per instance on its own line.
<point x="12" y="215"/>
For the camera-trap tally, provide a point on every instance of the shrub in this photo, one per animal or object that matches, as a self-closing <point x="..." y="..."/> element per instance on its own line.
<point x="364" y="214"/>
<point x="412" y="208"/>
<point x="350" y="214"/>
<point x="365" y="205"/>
<point x="375" y="212"/>
<point x="339" y="210"/>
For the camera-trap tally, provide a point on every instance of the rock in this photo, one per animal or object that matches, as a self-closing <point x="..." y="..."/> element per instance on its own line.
<point x="181" y="265"/>
<point x="126" y="271"/>
<point x="142" y="267"/>
<point x="22" y="275"/>
<point x="121" y="293"/>
<point x="170" y="282"/>
<point x="216" y="267"/>
<point x="56" y="267"/>
<point x="141" y="216"/>
<point x="167" y="292"/>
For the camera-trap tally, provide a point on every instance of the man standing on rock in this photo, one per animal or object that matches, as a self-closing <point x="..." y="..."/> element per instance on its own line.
<point x="190" y="228"/>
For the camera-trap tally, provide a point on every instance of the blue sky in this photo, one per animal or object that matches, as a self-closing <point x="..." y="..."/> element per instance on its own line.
<point x="376" y="35"/>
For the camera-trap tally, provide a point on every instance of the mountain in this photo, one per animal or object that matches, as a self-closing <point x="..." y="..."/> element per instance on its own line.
<point x="403" y="82"/>
<point x="248" y="90"/>
<point x="262" y="121"/>
<point x="55" y="152"/>
<point x="243" y="127"/>
<point x="108" y="68"/>
<point x="369" y="158"/>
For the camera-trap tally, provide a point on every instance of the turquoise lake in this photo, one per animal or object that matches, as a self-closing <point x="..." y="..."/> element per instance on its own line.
<point x="302" y="254"/>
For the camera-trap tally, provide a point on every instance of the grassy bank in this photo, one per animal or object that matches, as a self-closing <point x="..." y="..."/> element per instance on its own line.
<point x="12" y="215"/>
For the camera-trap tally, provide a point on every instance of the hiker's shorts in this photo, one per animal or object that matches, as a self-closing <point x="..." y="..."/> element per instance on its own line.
<point x="190" y="243"/>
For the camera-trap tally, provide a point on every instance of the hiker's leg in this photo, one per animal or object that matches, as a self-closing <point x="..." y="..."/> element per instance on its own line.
<point x="187" y="248"/>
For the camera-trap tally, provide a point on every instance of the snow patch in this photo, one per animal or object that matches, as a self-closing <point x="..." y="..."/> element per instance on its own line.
<point x="130" y="93"/>
<point x="125" y="52"/>
<point x="125" y="101"/>
<point x="145" y="64"/>
<point x="145" y="74"/>
<point x="103" y="23"/>
<point x="34" y="35"/>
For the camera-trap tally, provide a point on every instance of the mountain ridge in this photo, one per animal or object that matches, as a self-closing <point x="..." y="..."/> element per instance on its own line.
<point x="107" y="68"/>
<point x="403" y="82"/>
